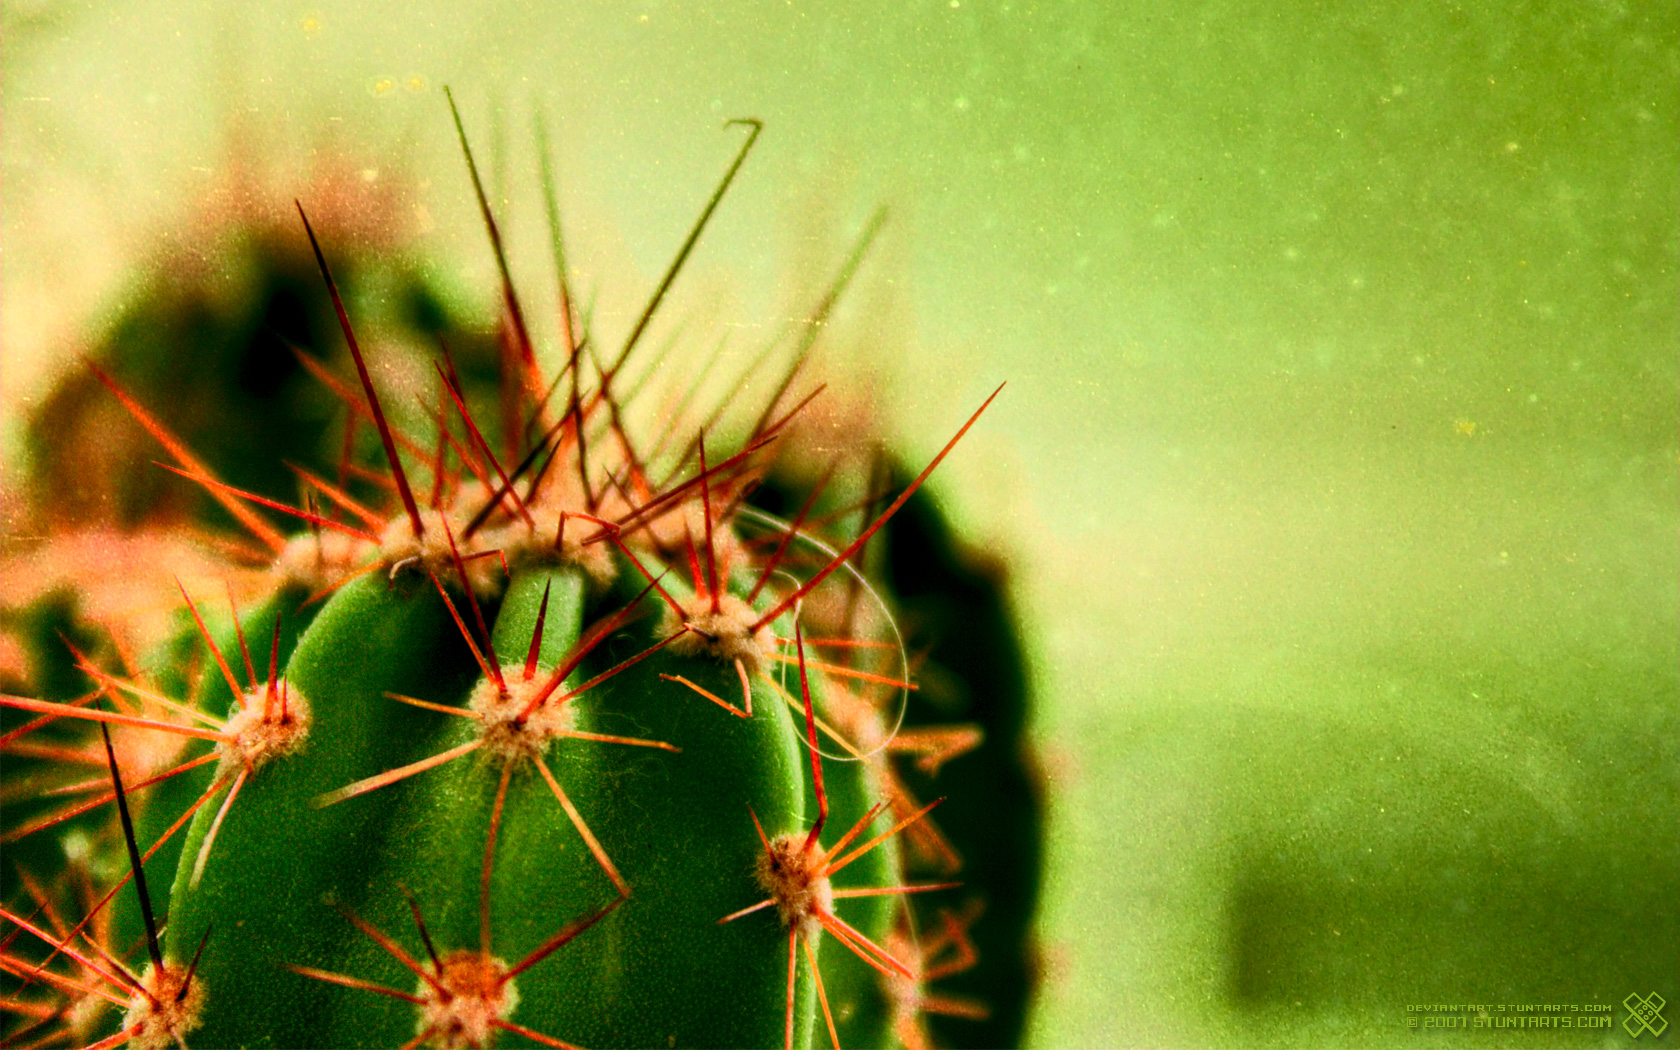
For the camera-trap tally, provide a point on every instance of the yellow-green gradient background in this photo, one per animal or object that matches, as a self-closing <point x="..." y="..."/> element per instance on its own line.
<point x="1337" y="467"/>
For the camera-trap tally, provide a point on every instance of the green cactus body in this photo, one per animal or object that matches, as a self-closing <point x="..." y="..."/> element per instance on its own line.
<point x="536" y="764"/>
<point x="681" y="830"/>
<point x="672" y="821"/>
<point x="276" y="862"/>
<point x="857" y="995"/>
<point x="163" y="804"/>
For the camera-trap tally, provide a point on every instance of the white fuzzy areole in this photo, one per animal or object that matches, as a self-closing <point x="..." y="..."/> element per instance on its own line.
<point x="723" y="634"/>
<point x="509" y="734"/>
<point x="169" y="1009"/>
<point x="317" y="559"/>
<point x="400" y="549"/>
<point x="476" y="991"/>
<point x="792" y="879"/>
<point x="262" y="731"/>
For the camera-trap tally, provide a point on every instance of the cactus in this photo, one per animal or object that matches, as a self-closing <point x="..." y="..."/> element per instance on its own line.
<point x="519" y="737"/>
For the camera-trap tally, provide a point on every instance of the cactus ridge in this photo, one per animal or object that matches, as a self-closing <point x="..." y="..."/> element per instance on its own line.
<point x="482" y="703"/>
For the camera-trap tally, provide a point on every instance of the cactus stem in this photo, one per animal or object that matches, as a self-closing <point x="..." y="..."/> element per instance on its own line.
<point x="795" y="870"/>
<point x="376" y="639"/>
<point x="518" y="717"/>
<point x="466" y="993"/>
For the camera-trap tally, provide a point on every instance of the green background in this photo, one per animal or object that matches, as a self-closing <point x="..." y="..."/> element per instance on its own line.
<point x="1337" y="468"/>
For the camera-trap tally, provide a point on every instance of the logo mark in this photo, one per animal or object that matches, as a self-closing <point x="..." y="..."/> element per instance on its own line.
<point x="1644" y="1015"/>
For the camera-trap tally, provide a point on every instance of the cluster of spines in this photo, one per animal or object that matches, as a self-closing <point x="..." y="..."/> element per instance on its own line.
<point x="602" y="508"/>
